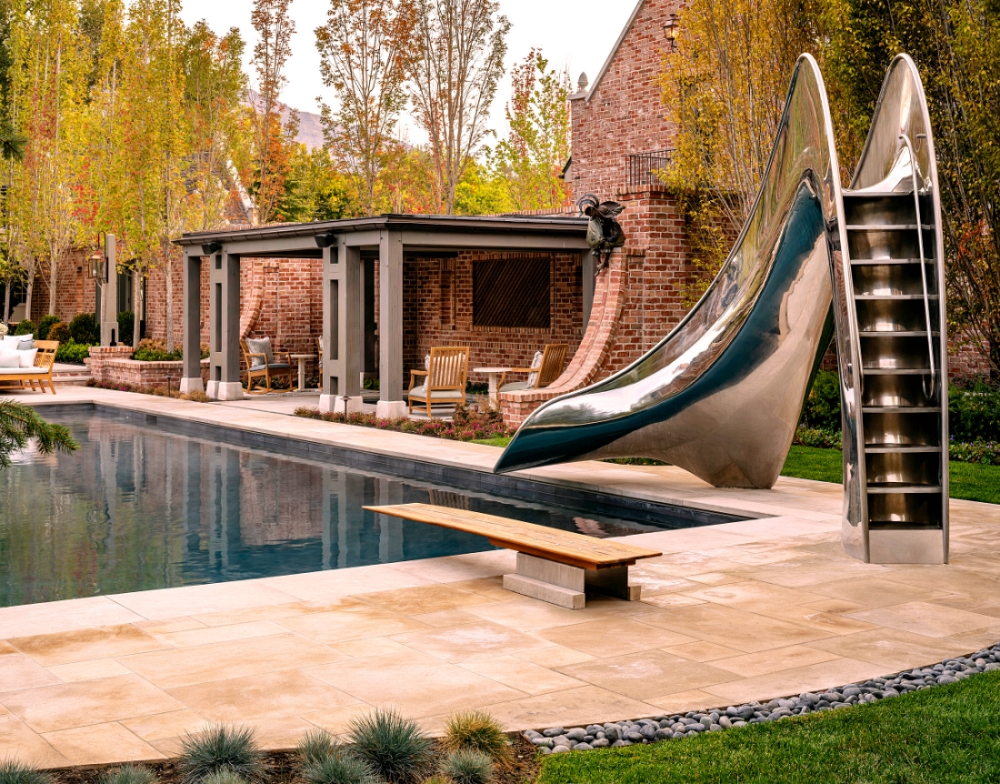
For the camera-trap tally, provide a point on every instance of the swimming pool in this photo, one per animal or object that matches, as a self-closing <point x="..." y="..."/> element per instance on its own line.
<point x="141" y="507"/>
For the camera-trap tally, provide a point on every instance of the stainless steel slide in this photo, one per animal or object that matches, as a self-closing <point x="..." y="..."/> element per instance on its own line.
<point x="721" y="394"/>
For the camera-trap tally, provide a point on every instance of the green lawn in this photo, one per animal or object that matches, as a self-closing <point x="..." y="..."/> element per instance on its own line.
<point x="971" y="481"/>
<point x="948" y="734"/>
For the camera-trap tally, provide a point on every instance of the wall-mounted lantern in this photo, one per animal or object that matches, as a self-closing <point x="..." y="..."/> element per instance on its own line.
<point x="670" y="31"/>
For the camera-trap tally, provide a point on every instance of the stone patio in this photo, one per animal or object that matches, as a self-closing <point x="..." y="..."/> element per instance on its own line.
<point x="730" y="613"/>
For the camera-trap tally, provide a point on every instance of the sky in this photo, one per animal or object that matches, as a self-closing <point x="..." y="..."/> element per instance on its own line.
<point x="572" y="34"/>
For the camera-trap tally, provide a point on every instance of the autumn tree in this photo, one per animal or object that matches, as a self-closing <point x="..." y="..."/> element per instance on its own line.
<point x="272" y="138"/>
<point x="724" y="89"/>
<point x="214" y="85"/>
<point x="316" y="188"/>
<point x="367" y="50"/>
<point x="456" y="74"/>
<point x="531" y="157"/>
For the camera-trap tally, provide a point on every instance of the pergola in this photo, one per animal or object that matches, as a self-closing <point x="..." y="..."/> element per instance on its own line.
<point x="341" y="245"/>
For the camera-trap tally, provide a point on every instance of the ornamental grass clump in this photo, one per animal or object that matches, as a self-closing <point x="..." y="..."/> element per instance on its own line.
<point x="12" y="772"/>
<point x="395" y="748"/>
<point x="340" y="767"/>
<point x="223" y="776"/>
<point x="477" y="731"/>
<point x="221" y="748"/>
<point x="129" y="774"/>
<point x="316" y="746"/>
<point x="467" y="766"/>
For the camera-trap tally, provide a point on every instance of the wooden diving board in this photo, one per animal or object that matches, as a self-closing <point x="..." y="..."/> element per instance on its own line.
<point x="555" y="565"/>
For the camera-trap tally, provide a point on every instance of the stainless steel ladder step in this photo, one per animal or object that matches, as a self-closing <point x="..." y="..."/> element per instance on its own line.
<point x="881" y="449"/>
<point x="888" y="227"/>
<point x="892" y="488"/>
<point x="901" y="410"/>
<point x="881" y="261"/>
<point x="892" y="297"/>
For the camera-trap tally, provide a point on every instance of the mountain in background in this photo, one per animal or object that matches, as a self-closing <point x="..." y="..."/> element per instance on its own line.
<point x="310" y="126"/>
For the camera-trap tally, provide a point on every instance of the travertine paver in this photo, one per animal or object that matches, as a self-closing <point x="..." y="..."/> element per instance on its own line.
<point x="747" y="610"/>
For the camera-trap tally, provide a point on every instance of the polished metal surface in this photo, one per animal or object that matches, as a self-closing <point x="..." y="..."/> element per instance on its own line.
<point x="896" y="299"/>
<point x="721" y="394"/>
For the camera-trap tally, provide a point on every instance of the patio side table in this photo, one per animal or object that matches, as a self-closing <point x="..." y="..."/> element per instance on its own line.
<point x="301" y="358"/>
<point x="494" y="374"/>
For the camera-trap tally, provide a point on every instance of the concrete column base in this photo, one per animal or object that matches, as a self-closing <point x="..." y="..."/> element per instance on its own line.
<point x="189" y="385"/>
<point x="230" y="390"/>
<point x="338" y="404"/>
<point x="567" y="586"/>
<point x="392" y="409"/>
<point x="212" y="390"/>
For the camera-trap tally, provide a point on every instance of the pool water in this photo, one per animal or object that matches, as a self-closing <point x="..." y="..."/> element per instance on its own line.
<point x="138" y="508"/>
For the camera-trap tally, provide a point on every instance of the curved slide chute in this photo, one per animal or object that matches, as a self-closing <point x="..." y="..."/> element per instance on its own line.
<point x="721" y="394"/>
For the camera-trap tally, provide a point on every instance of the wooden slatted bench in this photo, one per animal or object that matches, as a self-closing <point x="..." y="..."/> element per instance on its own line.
<point x="556" y="566"/>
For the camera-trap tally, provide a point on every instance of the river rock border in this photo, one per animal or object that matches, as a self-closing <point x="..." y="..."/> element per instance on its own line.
<point x="686" y="725"/>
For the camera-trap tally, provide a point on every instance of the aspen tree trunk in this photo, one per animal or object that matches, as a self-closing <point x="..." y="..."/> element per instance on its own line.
<point x="30" y="291"/>
<point x="138" y="306"/>
<point x="53" y="277"/>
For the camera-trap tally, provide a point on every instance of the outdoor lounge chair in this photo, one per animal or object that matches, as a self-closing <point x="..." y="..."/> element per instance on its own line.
<point x="545" y="369"/>
<point x="39" y="373"/>
<point x="444" y="379"/>
<point x="261" y="363"/>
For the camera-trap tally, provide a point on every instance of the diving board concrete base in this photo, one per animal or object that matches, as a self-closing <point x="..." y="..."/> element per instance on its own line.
<point x="567" y="586"/>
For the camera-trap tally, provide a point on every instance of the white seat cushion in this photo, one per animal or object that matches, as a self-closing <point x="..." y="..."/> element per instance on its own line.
<point x="260" y="346"/>
<point x="18" y="371"/>
<point x="514" y="386"/>
<point x="438" y="394"/>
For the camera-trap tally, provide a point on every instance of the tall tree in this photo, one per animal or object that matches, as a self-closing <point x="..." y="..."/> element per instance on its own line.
<point x="537" y="147"/>
<point x="153" y="155"/>
<point x="368" y="48"/>
<point x="956" y="45"/>
<point x="724" y="90"/>
<point x="214" y="85"/>
<point x="460" y="62"/>
<point x="273" y="140"/>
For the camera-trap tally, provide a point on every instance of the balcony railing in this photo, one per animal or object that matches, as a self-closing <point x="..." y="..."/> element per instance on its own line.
<point x="644" y="167"/>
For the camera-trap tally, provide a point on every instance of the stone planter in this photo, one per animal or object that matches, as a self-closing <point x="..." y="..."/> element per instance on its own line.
<point x="114" y="365"/>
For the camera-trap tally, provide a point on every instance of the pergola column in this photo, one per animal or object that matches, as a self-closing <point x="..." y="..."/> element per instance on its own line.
<point x="390" y="327"/>
<point x="343" y="338"/>
<point x="224" y="311"/>
<point x="191" y="381"/>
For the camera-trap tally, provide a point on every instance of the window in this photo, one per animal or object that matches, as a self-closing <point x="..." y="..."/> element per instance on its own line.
<point x="511" y="291"/>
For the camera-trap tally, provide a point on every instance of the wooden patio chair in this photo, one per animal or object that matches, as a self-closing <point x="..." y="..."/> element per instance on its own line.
<point x="444" y="379"/>
<point x="547" y="369"/>
<point x="262" y="364"/>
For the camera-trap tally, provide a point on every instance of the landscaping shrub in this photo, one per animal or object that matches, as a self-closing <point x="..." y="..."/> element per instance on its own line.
<point x="467" y="766"/>
<point x="60" y="332"/>
<point x="395" y="748"/>
<point x="197" y="397"/>
<point x="126" y="327"/>
<point x="477" y="731"/>
<point x="221" y="748"/>
<point x="84" y="329"/>
<point x="822" y="407"/>
<point x="974" y="413"/>
<point x="25" y="327"/>
<point x="12" y="772"/>
<point x="339" y="767"/>
<point x="129" y="774"/>
<point x="316" y="745"/>
<point x="72" y="352"/>
<point x="465" y="426"/>
<point x="151" y="350"/>
<point x="45" y="326"/>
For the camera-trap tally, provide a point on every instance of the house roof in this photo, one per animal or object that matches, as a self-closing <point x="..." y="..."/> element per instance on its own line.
<point x="614" y="50"/>
<point x="513" y="232"/>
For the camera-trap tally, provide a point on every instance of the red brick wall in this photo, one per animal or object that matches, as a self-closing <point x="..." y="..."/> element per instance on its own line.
<point x="622" y="114"/>
<point x="74" y="288"/>
<point x="429" y="287"/>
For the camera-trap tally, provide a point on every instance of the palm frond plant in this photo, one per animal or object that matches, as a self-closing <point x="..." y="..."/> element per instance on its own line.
<point x="20" y="423"/>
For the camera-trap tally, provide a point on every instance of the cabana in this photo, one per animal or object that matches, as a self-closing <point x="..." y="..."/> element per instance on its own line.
<point x="349" y="250"/>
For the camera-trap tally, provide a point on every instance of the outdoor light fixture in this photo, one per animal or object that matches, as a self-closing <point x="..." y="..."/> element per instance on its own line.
<point x="212" y="247"/>
<point x="98" y="261"/>
<point x="325" y="240"/>
<point x="670" y="31"/>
